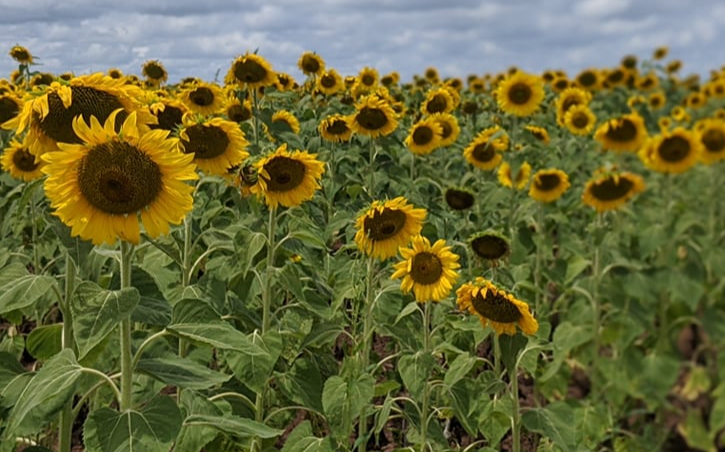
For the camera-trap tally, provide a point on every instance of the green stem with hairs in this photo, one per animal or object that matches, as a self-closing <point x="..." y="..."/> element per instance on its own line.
<point x="125" y="332"/>
<point x="426" y="388"/>
<point x="366" y="342"/>
<point x="65" y="428"/>
<point x="34" y="234"/>
<point x="371" y="168"/>
<point x="515" y="414"/>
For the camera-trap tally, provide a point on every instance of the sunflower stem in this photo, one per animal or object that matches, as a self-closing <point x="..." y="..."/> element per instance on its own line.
<point x="371" y="168"/>
<point x="34" y="234"/>
<point x="426" y="395"/>
<point x="412" y="167"/>
<point x="255" y="115"/>
<point x="597" y="306"/>
<point x="125" y="332"/>
<point x="496" y="355"/>
<point x="365" y="346"/>
<point x="65" y="427"/>
<point x="516" y="412"/>
<point x="537" y="269"/>
<point x="185" y="280"/>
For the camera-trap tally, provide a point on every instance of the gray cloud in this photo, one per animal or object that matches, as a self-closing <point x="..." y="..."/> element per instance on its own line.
<point x="467" y="36"/>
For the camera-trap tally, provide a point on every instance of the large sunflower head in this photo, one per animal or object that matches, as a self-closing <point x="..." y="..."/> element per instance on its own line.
<point x="610" y="189"/>
<point x="335" y="128"/>
<point x="100" y="186"/>
<point x="548" y="185"/>
<point x="154" y="72"/>
<point x="429" y="271"/>
<point x="21" y="55"/>
<point x="216" y="144"/>
<point x="484" y="151"/>
<point x="238" y="111"/>
<point x="450" y="130"/>
<point x="203" y="98"/>
<point x="520" y="94"/>
<point x="49" y="117"/>
<point x="459" y="198"/>
<point x="711" y="134"/>
<point x="386" y="226"/>
<point x="496" y="307"/>
<point x="539" y="133"/>
<point x="490" y="245"/>
<point x="250" y="70"/>
<point x="506" y="178"/>
<point x="330" y="82"/>
<point x="567" y="99"/>
<point x="580" y="120"/>
<point x="10" y="106"/>
<point x="169" y="114"/>
<point x="288" y="178"/>
<point x="374" y="117"/>
<point x="285" y="121"/>
<point x="424" y="137"/>
<point x="20" y="163"/>
<point x="438" y="100"/>
<point x="673" y="151"/>
<point x="624" y="134"/>
<point x="311" y="63"/>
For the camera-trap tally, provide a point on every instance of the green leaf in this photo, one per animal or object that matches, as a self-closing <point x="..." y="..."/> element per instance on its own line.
<point x="19" y="289"/>
<point x="9" y="369"/>
<point x="193" y="438"/>
<point x="415" y="371"/>
<point x="575" y="267"/>
<point x="309" y="238"/>
<point x="381" y="417"/>
<point x="45" y="394"/>
<point x="302" y="440"/>
<point x="695" y="433"/>
<point x="153" y="428"/>
<point x="153" y="308"/>
<point x="45" y="341"/>
<point x="248" y="244"/>
<point x="511" y="346"/>
<point x="303" y="383"/>
<point x="254" y="370"/>
<point x="192" y="310"/>
<point x="234" y="425"/>
<point x="556" y="422"/>
<point x="218" y="334"/>
<point x="406" y="311"/>
<point x="97" y="312"/>
<point x="459" y="368"/>
<point x="183" y="373"/>
<point x="343" y="399"/>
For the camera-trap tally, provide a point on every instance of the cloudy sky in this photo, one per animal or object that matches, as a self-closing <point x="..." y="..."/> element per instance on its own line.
<point x="201" y="37"/>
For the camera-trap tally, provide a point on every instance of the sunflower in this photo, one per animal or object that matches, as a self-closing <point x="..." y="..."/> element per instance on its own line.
<point x="496" y="307"/>
<point x="154" y="72"/>
<point x="237" y="111"/>
<point x="437" y="100"/>
<point x="490" y="245"/>
<point x="629" y="62"/>
<point x="712" y="136"/>
<point x="559" y="84"/>
<point x="459" y="198"/>
<point x="695" y="100"/>
<point x="374" y="117"/>
<point x="608" y="190"/>
<point x="520" y="94"/>
<point x="330" y="82"/>
<point x="429" y="271"/>
<point x="288" y="178"/>
<point x="679" y="114"/>
<point x="647" y="82"/>
<point x="388" y="80"/>
<point x="548" y="185"/>
<point x="203" y="98"/>
<point x="335" y="128"/>
<point x="169" y="114"/>
<point x="250" y="70"/>
<point x="517" y="183"/>
<point x="285" y="121"/>
<point x="624" y="134"/>
<point x="367" y="79"/>
<point x="470" y="108"/>
<point x="21" y="55"/>
<point x="424" y="137"/>
<point x="673" y="151"/>
<point x="284" y="82"/>
<point x="115" y="73"/>
<point x="477" y="85"/>
<point x="580" y="120"/>
<point x="20" y="163"/>
<point x="431" y="74"/>
<point x="589" y="79"/>
<point x="656" y="100"/>
<point x="311" y="63"/>
<point x="10" y="106"/>
<point x="387" y="225"/>
<point x="49" y="117"/>
<point x="539" y="133"/>
<point x="484" y="151"/>
<point x="673" y="66"/>
<point x="450" y="130"/>
<point x="664" y="123"/>
<point x="99" y="187"/>
<point x="216" y="144"/>
<point x="42" y="79"/>
<point x="615" y="77"/>
<point x="567" y="99"/>
<point x="660" y="53"/>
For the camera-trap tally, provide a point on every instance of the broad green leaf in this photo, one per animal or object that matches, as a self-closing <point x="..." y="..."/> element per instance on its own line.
<point x="695" y="433"/>
<point x="153" y="308"/>
<point x="193" y="310"/>
<point x="302" y="440"/>
<point x="406" y="311"/>
<point x="19" y="289"/>
<point x="97" y="312"/>
<point x="654" y="378"/>
<point x="183" y="373"/>
<point x="152" y="428"/>
<point x="218" y="334"/>
<point x="9" y="369"/>
<point x="303" y="383"/>
<point x="415" y="371"/>
<point x="233" y="425"/>
<point x="248" y="244"/>
<point x="343" y="399"/>
<point x="45" y="341"/>
<point x="459" y="368"/>
<point x="45" y="394"/>
<point x="717" y="415"/>
<point x="254" y="370"/>
<point x="511" y="346"/>
<point x="575" y="267"/>
<point x="193" y="438"/>
<point x="381" y="417"/>
<point x="494" y="425"/>
<point x="556" y="421"/>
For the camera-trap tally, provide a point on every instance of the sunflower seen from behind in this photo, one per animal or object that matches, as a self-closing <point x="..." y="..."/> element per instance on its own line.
<point x="216" y="144"/>
<point x="548" y="185"/>
<point x="610" y="189"/>
<point x="20" y="163"/>
<point x="100" y="186"/>
<point x="520" y="94"/>
<point x="429" y="271"/>
<point x="386" y="226"/>
<point x="424" y="136"/>
<point x="495" y="307"/>
<point x="287" y="178"/>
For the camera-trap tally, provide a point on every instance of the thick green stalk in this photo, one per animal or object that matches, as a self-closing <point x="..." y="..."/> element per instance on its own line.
<point x="34" y="232"/>
<point x="65" y="429"/>
<point x="125" y="332"/>
<point x="426" y="395"/>
<point x="515" y="415"/>
<point x="371" y="168"/>
<point x="366" y="340"/>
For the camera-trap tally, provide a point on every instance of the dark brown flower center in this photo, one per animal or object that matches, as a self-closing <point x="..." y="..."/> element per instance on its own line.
<point x="86" y="101"/>
<point x="714" y="140"/>
<point x="202" y="96"/>
<point x="609" y="190"/>
<point x="239" y="113"/>
<point x="284" y="173"/>
<point x="423" y="135"/>
<point x="338" y="127"/>
<point x="580" y="120"/>
<point x="426" y="268"/>
<point x="205" y="142"/>
<point x="616" y="76"/>
<point x="9" y="108"/>
<point x="520" y="93"/>
<point x="561" y="84"/>
<point x="367" y="80"/>
<point x="118" y="178"/>
<point x="310" y="64"/>
<point x="24" y="161"/>
<point x="674" y="149"/>
<point x="21" y="55"/>
<point x="495" y="306"/>
<point x="328" y="81"/>
<point x="385" y="224"/>
<point x="484" y="152"/>
<point x="42" y="79"/>
<point x="459" y="199"/>
<point x="437" y="104"/>
<point x="624" y="131"/>
<point x="169" y="119"/>
<point x="569" y="102"/>
<point x="447" y="129"/>
<point x="587" y="79"/>
<point x="371" y="118"/>
<point x="490" y="247"/>
<point x="154" y="71"/>
<point x="470" y="108"/>
<point x="547" y="182"/>
<point x="249" y="71"/>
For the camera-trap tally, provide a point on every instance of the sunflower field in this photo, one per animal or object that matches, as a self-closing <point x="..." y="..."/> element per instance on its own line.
<point x="510" y="262"/>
